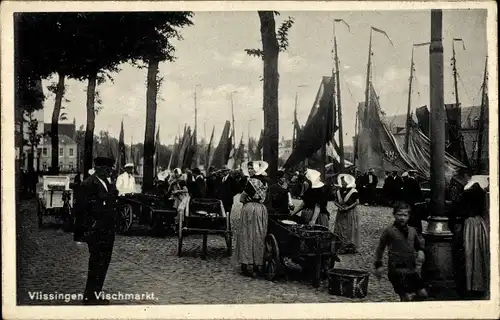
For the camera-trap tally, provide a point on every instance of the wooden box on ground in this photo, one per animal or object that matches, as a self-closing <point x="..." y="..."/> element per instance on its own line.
<point x="348" y="283"/>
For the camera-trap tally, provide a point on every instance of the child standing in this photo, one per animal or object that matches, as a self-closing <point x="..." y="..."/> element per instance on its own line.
<point x="406" y="255"/>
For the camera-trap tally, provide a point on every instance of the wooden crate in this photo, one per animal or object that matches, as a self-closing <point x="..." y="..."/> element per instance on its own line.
<point x="348" y="283"/>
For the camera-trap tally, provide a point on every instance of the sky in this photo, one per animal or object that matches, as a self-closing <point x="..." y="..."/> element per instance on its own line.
<point x="211" y="58"/>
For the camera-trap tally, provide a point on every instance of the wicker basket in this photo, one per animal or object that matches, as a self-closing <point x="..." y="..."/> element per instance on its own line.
<point x="348" y="283"/>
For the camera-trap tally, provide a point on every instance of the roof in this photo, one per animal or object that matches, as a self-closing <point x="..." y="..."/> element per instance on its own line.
<point x="469" y="114"/>
<point x="63" y="140"/>
<point x="67" y="129"/>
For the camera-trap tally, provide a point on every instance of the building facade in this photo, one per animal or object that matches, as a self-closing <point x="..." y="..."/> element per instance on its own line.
<point x="68" y="154"/>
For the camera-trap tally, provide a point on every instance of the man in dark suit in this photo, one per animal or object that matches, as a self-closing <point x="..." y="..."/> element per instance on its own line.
<point x="371" y="181"/>
<point x="95" y="225"/>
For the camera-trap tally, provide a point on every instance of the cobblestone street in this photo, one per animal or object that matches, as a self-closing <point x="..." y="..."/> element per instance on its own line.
<point x="50" y="261"/>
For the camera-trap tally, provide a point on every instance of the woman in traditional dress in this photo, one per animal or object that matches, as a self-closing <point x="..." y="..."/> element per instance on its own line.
<point x="253" y="221"/>
<point x="314" y="201"/>
<point x="347" y="220"/>
<point x="475" y="242"/>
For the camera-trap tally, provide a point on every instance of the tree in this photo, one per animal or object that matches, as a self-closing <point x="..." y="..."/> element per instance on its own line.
<point x="34" y="138"/>
<point x="153" y="34"/>
<point x="272" y="44"/>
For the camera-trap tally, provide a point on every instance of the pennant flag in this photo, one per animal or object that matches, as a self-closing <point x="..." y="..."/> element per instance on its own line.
<point x="221" y="154"/>
<point x="384" y="33"/>
<point x="184" y="144"/>
<point x="421" y="44"/>
<point x="343" y="21"/>
<point x="208" y="158"/>
<point x="172" y="155"/>
<point x="121" y="150"/>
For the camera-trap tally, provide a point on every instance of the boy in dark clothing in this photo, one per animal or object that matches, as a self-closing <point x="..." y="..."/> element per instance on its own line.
<point x="406" y="255"/>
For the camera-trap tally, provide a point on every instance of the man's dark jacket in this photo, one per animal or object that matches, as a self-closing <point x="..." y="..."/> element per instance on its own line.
<point x="95" y="208"/>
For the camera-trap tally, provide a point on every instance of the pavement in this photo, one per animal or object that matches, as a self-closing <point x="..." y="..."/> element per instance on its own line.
<point x="50" y="262"/>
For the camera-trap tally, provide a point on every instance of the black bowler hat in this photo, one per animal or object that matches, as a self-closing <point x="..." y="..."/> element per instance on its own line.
<point x="103" y="162"/>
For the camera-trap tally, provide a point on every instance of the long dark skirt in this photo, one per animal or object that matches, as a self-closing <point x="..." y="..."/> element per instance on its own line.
<point x="251" y="234"/>
<point x="476" y="250"/>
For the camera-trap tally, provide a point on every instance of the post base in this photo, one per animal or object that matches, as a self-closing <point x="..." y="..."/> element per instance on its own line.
<point x="438" y="270"/>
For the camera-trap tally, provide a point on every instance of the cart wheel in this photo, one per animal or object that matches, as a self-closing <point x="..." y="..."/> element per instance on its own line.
<point x="272" y="263"/>
<point x="229" y="243"/>
<point x="40" y="213"/>
<point x="125" y="219"/>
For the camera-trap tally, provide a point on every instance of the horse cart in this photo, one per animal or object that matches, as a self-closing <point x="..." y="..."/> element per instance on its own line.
<point x="205" y="217"/>
<point x="156" y="211"/>
<point x="56" y="199"/>
<point x="313" y="248"/>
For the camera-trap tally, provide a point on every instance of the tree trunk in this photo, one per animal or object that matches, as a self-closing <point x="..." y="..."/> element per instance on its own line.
<point x="54" y="127"/>
<point x="271" y="81"/>
<point x="149" y="135"/>
<point x="89" y="130"/>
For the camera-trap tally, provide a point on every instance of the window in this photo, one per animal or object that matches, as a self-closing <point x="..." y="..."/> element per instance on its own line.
<point x="71" y="152"/>
<point x="61" y="152"/>
<point x="70" y="166"/>
<point x="45" y="152"/>
<point x="44" y="165"/>
<point x="61" y="165"/>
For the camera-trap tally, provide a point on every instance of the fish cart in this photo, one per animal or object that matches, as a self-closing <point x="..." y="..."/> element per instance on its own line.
<point x="205" y="217"/>
<point x="313" y="248"/>
<point x="56" y="199"/>
<point x="156" y="211"/>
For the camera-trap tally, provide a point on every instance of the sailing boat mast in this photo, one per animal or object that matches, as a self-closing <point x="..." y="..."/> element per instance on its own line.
<point x="458" y="129"/>
<point x="196" y="124"/>
<point x="339" y="105"/>
<point x="479" y="142"/>
<point x="408" y="110"/>
<point x="368" y="74"/>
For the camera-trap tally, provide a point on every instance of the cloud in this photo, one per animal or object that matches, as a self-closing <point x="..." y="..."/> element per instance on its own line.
<point x="292" y="64"/>
<point x="356" y="80"/>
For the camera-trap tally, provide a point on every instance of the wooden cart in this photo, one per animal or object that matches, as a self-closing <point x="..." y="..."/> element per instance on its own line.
<point x="205" y="217"/>
<point x="313" y="248"/>
<point x="146" y="209"/>
<point x="56" y="199"/>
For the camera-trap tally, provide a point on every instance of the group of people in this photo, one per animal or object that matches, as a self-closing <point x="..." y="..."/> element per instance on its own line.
<point x="261" y="198"/>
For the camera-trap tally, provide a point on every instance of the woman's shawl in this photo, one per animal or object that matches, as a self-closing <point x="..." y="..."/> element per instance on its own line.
<point x="255" y="190"/>
<point x="347" y="196"/>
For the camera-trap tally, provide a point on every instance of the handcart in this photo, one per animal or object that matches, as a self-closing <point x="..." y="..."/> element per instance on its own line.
<point x="313" y="248"/>
<point x="205" y="216"/>
<point x="56" y="199"/>
<point x="157" y="211"/>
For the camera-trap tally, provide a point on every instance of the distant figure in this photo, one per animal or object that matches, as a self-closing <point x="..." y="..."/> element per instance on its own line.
<point x="371" y="181"/>
<point x="279" y="199"/>
<point x="388" y="187"/>
<point x="125" y="183"/>
<point x="198" y="185"/>
<point x="397" y="187"/>
<point x="406" y="255"/>
<point x="412" y="194"/>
